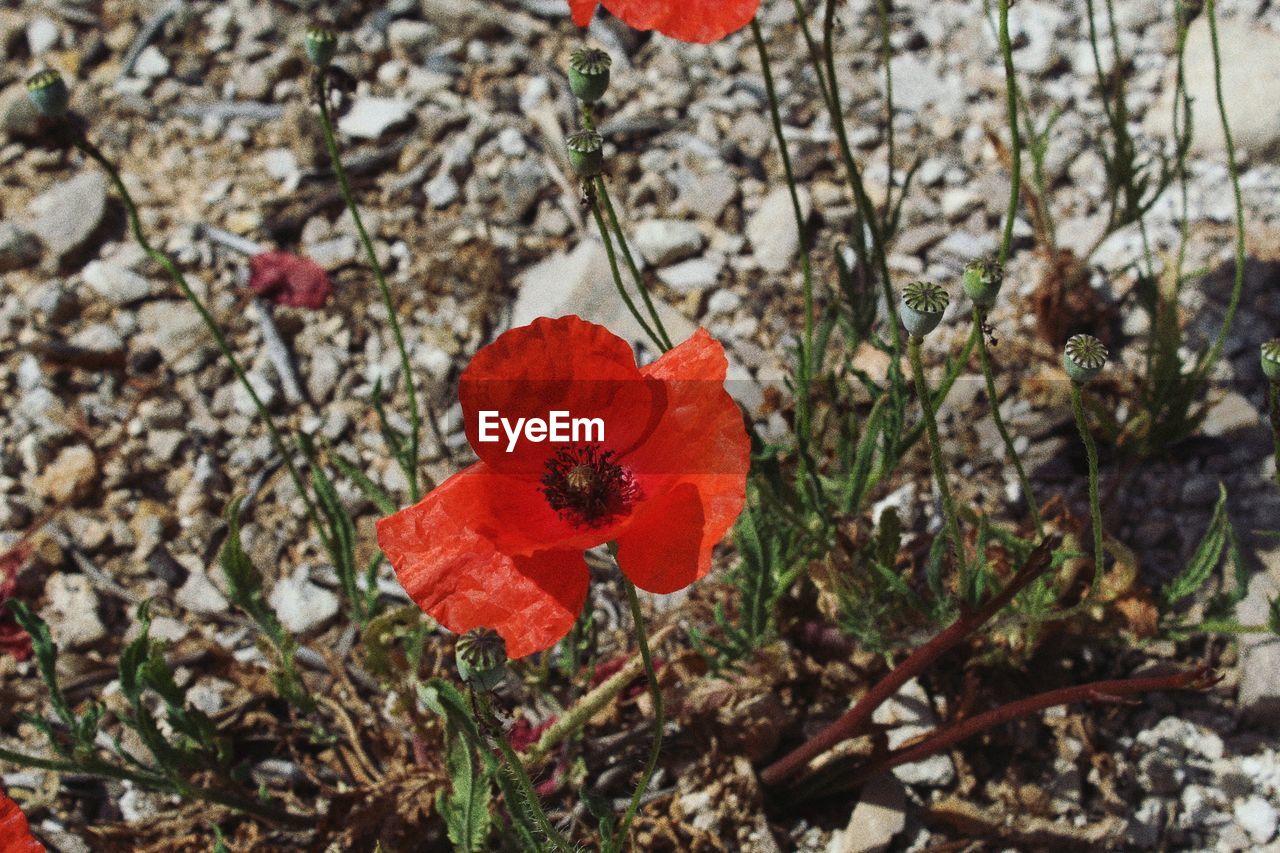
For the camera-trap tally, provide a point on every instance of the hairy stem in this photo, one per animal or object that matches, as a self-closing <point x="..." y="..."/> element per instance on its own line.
<point x="1015" y="141"/>
<point x="602" y="190"/>
<point x="1233" y="169"/>
<point x="1275" y="424"/>
<point x="1091" y="451"/>
<point x="344" y="185"/>
<point x="617" y="277"/>
<point x="655" y="692"/>
<point x="935" y="455"/>
<point x="979" y="318"/>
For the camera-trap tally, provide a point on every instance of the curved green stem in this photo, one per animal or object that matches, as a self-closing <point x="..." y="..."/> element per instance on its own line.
<point x="979" y="317"/>
<point x="1015" y="142"/>
<point x="804" y="372"/>
<point x="935" y="455"/>
<point x="664" y="342"/>
<point x="617" y="279"/>
<point x="1275" y="425"/>
<point x="655" y="691"/>
<point x="135" y="227"/>
<point x="1095" y="506"/>
<point x="1233" y="170"/>
<point x="344" y="185"/>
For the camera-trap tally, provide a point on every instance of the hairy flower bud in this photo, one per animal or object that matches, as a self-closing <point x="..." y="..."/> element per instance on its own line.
<point x="589" y="74"/>
<point x="1271" y="359"/>
<point x="586" y="152"/>
<point x="48" y="91"/>
<point x="321" y="44"/>
<point x="1083" y="357"/>
<point x="982" y="280"/>
<point x="481" y="656"/>
<point x="922" y="305"/>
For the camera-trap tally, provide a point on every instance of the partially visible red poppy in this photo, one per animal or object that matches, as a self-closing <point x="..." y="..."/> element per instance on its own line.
<point x="499" y="545"/>
<point x="287" y="279"/>
<point x="13" y="639"/>
<point x="698" y="21"/>
<point x="15" y="834"/>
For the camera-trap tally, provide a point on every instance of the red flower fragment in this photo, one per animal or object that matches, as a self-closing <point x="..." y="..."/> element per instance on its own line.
<point x="499" y="545"/>
<point x="15" y="834"/>
<point x="698" y="21"/>
<point x="287" y="279"/>
<point x="13" y="640"/>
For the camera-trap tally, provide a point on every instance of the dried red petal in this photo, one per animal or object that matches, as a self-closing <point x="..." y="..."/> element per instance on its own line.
<point x="13" y="640"/>
<point x="15" y="834"/>
<point x="287" y="279"/>
<point x="697" y="21"/>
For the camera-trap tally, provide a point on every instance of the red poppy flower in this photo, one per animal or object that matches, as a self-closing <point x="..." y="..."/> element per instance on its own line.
<point x="287" y="279"/>
<point x="15" y="835"/>
<point x="499" y="545"/>
<point x="13" y="639"/>
<point x="698" y="21"/>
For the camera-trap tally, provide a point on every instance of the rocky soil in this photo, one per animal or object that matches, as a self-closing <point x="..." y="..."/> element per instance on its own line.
<point x="124" y="435"/>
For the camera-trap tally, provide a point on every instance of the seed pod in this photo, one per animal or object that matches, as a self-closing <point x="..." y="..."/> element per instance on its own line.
<point x="586" y="152"/>
<point x="321" y="44"/>
<point x="481" y="657"/>
<point x="1083" y="358"/>
<point x="589" y="74"/>
<point x="1271" y="359"/>
<point x="982" y="280"/>
<point x="48" y="91"/>
<point x="922" y="305"/>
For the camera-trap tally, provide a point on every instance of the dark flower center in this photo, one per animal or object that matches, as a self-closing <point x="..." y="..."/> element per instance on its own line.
<point x="586" y="487"/>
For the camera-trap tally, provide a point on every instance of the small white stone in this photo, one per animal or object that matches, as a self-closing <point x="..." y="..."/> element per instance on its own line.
<point x="151" y="63"/>
<point x="301" y="605"/>
<point x="1258" y="818"/>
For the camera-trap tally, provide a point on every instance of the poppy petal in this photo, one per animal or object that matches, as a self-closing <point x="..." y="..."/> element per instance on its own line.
<point x="699" y="446"/>
<point x="697" y="21"/>
<point x="15" y="833"/>
<point x="662" y="550"/>
<point x="461" y="579"/>
<point x="582" y="10"/>
<point x="553" y="365"/>
<point x="513" y="513"/>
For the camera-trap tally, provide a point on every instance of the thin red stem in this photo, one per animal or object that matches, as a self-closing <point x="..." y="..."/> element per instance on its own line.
<point x="1114" y="690"/>
<point x="854" y="721"/>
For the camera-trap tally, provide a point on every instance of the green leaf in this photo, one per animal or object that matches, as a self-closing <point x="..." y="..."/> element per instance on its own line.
<point x="1207" y="556"/>
<point x="465" y="808"/>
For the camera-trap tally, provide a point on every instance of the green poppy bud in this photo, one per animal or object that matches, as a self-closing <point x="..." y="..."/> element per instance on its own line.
<point x="982" y="280"/>
<point x="48" y="91"/>
<point x="321" y="44"/>
<point x="922" y="305"/>
<point x="481" y="656"/>
<point x="1083" y="358"/>
<point x="586" y="152"/>
<point x="589" y="74"/>
<point x="1271" y="359"/>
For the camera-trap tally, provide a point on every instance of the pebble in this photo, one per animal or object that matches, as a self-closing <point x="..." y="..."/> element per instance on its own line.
<point x="69" y="476"/>
<point x="370" y="118"/>
<point x="67" y="215"/>
<point x="1233" y="412"/>
<point x="117" y="284"/>
<point x="665" y="241"/>
<point x="262" y="386"/>
<point x="772" y="231"/>
<point x="199" y="595"/>
<point x="692" y="275"/>
<point x="877" y="818"/>
<point x="301" y="605"/>
<point x="442" y="191"/>
<point x="151" y="64"/>
<point x="1259" y="693"/>
<point x="42" y="35"/>
<point x="98" y="337"/>
<point x="72" y="611"/>
<point x="909" y="714"/>
<point x="723" y="301"/>
<point x="1258" y="818"/>
<point x="18" y="248"/>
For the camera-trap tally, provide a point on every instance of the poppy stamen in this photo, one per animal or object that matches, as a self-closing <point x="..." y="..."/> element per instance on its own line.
<point x="586" y="487"/>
